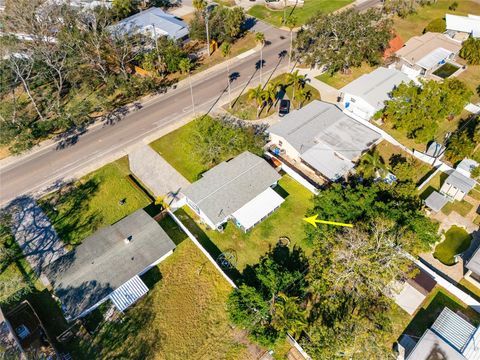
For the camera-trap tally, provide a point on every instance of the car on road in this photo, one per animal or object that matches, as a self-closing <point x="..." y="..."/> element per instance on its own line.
<point x="284" y="107"/>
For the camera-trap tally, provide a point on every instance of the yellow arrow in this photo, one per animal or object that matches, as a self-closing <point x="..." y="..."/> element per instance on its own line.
<point x="313" y="220"/>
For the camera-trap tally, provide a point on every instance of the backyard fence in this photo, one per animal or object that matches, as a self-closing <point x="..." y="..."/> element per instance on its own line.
<point x="205" y="252"/>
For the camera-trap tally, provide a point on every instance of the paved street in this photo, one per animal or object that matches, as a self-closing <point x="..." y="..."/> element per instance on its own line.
<point x="43" y="168"/>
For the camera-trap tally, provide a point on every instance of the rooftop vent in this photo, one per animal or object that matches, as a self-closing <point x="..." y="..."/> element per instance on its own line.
<point x="128" y="239"/>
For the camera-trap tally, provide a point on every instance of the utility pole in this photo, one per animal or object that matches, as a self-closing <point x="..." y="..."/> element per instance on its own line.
<point x="207" y="14"/>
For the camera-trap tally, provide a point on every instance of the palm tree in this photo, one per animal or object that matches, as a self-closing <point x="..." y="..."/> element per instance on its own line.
<point x="296" y="80"/>
<point x="288" y="316"/>
<point x="185" y="66"/>
<point x="199" y="5"/>
<point x="260" y="38"/>
<point x="291" y="23"/>
<point x="258" y="95"/>
<point x="271" y="93"/>
<point x="372" y="164"/>
<point x="304" y="94"/>
<point x="226" y="49"/>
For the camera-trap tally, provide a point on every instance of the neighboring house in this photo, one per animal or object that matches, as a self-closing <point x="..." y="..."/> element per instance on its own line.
<point x="153" y="23"/>
<point x="366" y="95"/>
<point x="466" y="166"/>
<point x="451" y="337"/>
<point x="394" y="45"/>
<point x="321" y="136"/>
<point x="473" y="269"/>
<point x="107" y="265"/>
<point x="457" y="185"/>
<point x="22" y="335"/>
<point x="422" y="55"/>
<point x="239" y="189"/>
<point x="467" y="25"/>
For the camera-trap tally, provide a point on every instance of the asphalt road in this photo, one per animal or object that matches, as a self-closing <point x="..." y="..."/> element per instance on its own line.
<point x="51" y="165"/>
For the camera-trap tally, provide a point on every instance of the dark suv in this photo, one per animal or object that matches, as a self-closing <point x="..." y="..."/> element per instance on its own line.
<point x="284" y="107"/>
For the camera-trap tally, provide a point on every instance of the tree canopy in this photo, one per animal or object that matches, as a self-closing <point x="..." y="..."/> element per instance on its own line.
<point x="470" y="51"/>
<point x="345" y="39"/>
<point x="418" y="109"/>
<point x="465" y="141"/>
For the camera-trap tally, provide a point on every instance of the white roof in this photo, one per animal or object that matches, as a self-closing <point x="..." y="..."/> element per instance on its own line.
<point x="436" y="57"/>
<point x="328" y="161"/>
<point x="258" y="208"/>
<point x="468" y="24"/>
<point x="466" y="166"/>
<point x="128" y="293"/>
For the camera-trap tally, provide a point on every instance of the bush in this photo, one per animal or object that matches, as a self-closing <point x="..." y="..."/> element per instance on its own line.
<point x="470" y="51"/>
<point x="436" y="25"/>
<point x="453" y="6"/>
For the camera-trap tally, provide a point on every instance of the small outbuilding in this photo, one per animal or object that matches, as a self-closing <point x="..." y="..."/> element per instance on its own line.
<point x="457" y="185"/>
<point x="107" y="265"/>
<point x="469" y="25"/>
<point x="364" y="96"/>
<point x="436" y="201"/>
<point x="239" y="189"/>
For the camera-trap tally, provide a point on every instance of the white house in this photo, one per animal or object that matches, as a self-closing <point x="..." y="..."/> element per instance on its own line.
<point x="469" y="24"/>
<point x="423" y="54"/>
<point x="457" y="185"/>
<point x="364" y="96"/>
<point x="153" y="22"/>
<point x="324" y="138"/>
<point x="239" y="189"/>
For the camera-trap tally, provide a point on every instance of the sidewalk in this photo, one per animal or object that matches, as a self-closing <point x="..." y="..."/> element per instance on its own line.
<point x="327" y="93"/>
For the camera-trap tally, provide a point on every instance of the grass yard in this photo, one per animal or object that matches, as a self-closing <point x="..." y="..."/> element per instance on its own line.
<point x="457" y="240"/>
<point x="414" y="24"/>
<point x="461" y="207"/>
<point x="433" y="305"/>
<point x="246" y="109"/>
<point x="93" y="202"/>
<point x="339" y="80"/>
<point x="302" y="14"/>
<point x="178" y="149"/>
<point x="182" y="317"/>
<point x="475" y="193"/>
<point x="433" y="185"/>
<point x="387" y="150"/>
<point x="249" y="247"/>
<point x="471" y="77"/>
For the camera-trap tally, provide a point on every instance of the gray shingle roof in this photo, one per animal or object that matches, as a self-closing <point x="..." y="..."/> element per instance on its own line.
<point x="174" y="27"/>
<point x="460" y="181"/>
<point x="230" y="185"/>
<point x="104" y="261"/>
<point x="376" y="86"/>
<point x="325" y="137"/>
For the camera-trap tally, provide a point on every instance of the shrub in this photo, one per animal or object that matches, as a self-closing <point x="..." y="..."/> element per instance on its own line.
<point x="436" y="25"/>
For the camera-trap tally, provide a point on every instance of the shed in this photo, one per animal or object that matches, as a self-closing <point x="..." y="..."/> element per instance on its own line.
<point x="457" y="185"/>
<point x="436" y="201"/>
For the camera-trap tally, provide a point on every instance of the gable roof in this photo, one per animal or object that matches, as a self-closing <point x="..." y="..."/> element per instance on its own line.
<point x="104" y="261"/>
<point x="375" y="87"/>
<point x="469" y="24"/>
<point x="325" y="137"/>
<point x="460" y="181"/>
<point x="418" y="48"/>
<point x="230" y="185"/>
<point x="150" y="19"/>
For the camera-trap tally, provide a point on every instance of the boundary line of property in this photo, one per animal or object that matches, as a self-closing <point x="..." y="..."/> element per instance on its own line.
<point x="205" y="252"/>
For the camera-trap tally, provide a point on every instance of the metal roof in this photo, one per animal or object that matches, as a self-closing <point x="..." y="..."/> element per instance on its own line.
<point x="453" y="329"/>
<point x="436" y="201"/>
<point x="420" y="47"/>
<point x="128" y="293"/>
<point x="152" y="20"/>
<point x="469" y="24"/>
<point x="258" y="208"/>
<point x="106" y="260"/>
<point x="474" y="263"/>
<point x="460" y="181"/>
<point x="375" y="87"/>
<point x="230" y="185"/>
<point x="466" y="166"/>
<point x="325" y="137"/>
<point x="431" y="346"/>
<point x="434" y="58"/>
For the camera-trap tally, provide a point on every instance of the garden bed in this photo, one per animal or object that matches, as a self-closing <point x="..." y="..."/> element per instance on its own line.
<point x="457" y="240"/>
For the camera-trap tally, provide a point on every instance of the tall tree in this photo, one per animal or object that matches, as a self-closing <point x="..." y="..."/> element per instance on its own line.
<point x="344" y="39"/>
<point x="226" y="49"/>
<point x="260" y="39"/>
<point x="186" y="67"/>
<point x="470" y="51"/>
<point x="288" y="316"/>
<point x="258" y="95"/>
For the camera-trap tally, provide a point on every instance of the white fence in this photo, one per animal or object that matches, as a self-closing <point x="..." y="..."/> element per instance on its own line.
<point x="295" y="175"/>
<point x="205" y="252"/>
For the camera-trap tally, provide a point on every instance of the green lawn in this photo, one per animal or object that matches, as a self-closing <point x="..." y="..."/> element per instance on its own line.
<point x="433" y="185"/>
<point x="249" y="247"/>
<point x="302" y="14"/>
<point x="93" y="202"/>
<point x="414" y="24"/>
<point x="461" y="207"/>
<point x="457" y="240"/>
<point x="183" y="316"/>
<point x="339" y="80"/>
<point x="471" y="77"/>
<point x="433" y="305"/>
<point x="475" y="193"/>
<point x="468" y="287"/>
<point x="246" y="109"/>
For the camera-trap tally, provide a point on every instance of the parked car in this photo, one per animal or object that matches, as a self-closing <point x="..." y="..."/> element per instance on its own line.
<point x="284" y="107"/>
